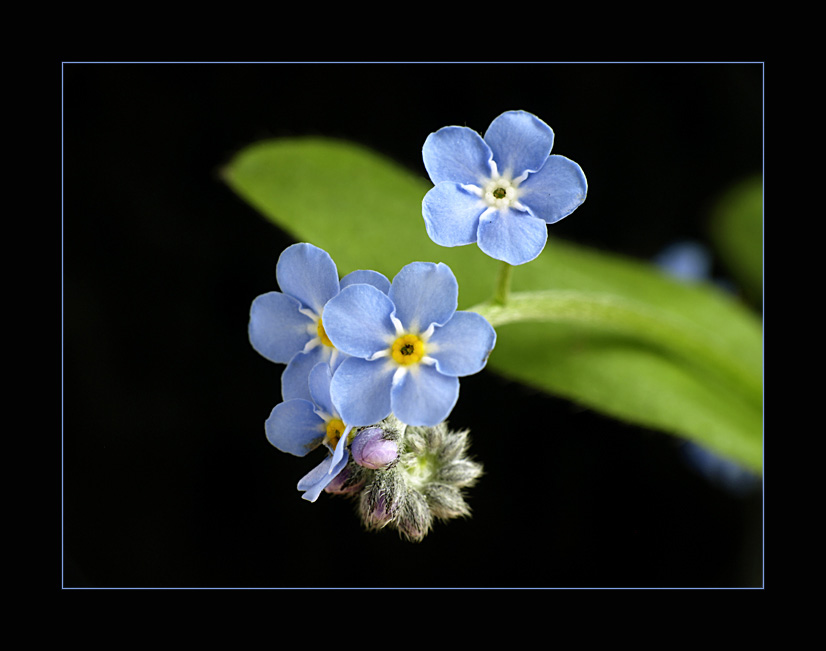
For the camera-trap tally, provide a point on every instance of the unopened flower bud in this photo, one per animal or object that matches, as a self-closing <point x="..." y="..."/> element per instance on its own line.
<point x="344" y="483"/>
<point x="372" y="450"/>
<point x="380" y="501"/>
<point x="415" y="517"/>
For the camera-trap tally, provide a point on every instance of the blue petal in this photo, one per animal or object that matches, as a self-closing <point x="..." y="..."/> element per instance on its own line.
<point x="341" y="453"/>
<point x="316" y="474"/>
<point x="358" y="322"/>
<point x="462" y="346"/>
<point x="319" y="384"/>
<point x="315" y="481"/>
<point x="295" y="428"/>
<point x="295" y="377"/>
<point x="424" y="293"/>
<point x="520" y="141"/>
<point x="366" y="277"/>
<point x="555" y="191"/>
<point x="424" y="396"/>
<point x="309" y="274"/>
<point x="451" y="214"/>
<point x="360" y="390"/>
<point x="512" y="236"/>
<point x="456" y="154"/>
<point x="277" y="330"/>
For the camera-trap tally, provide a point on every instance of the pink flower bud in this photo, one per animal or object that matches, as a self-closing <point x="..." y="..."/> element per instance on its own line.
<point x="371" y="450"/>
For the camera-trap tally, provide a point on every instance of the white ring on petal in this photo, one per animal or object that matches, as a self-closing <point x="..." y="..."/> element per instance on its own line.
<point x="306" y="311"/>
<point x="399" y="328"/>
<point x="521" y="177"/>
<point x="399" y="374"/>
<point x="315" y="341"/>
<point x="473" y="189"/>
<point x="382" y="353"/>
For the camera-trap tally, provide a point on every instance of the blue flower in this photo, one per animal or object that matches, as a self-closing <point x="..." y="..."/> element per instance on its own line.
<point x="501" y="190"/>
<point x="406" y="349"/>
<point x="726" y="474"/>
<point x="286" y="327"/>
<point x="300" y="426"/>
<point x="685" y="260"/>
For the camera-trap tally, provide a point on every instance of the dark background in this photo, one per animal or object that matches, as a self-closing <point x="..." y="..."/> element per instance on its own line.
<point x="168" y="480"/>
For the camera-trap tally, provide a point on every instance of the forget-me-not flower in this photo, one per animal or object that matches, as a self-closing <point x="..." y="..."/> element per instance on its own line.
<point x="299" y="426"/>
<point x="406" y="349"/>
<point x="286" y="327"/>
<point x="501" y="190"/>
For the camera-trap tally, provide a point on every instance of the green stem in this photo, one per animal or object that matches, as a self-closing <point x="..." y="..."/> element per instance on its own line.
<point x="503" y="284"/>
<point x="643" y="323"/>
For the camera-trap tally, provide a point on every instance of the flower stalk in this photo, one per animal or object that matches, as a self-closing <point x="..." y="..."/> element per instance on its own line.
<point x="503" y="284"/>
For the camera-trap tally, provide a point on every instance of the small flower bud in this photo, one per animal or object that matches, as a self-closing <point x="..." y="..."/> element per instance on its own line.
<point x="371" y="450"/>
<point x="411" y="476"/>
<point x="446" y="501"/>
<point x="379" y="502"/>
<point x="375" y="512"/>
<point x="345" y="483"/>
<point x="415" y="517"/>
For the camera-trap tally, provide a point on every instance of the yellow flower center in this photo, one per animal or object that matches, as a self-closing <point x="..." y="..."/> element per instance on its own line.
<point x="335" y="428"/>
<point x="323" y="335"/>
<point x="407" y="349"/>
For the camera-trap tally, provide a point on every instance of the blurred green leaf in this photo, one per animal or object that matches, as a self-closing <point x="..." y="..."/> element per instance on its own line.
<point x="677" y="336"/>
<point x="736" y="228"/>
<point x="361" y="208"/>
<point x="607" y="332"/>
<point x="634" y="362"/>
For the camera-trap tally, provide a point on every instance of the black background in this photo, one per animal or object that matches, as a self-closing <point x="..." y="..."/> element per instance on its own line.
<point x="168" y="480"/>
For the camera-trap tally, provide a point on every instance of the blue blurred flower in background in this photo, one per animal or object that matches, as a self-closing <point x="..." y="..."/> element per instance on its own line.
<point x="722" y="472"/>
<point x="501" y="190"/>
<point x="689" y="261"/>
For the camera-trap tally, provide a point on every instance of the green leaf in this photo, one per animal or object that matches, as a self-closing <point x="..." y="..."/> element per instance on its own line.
<point x="608" y="332"/>
<point x="736" y="227"/>
<point x="363" y="209"/>
<point x="634" y="362"/>
<point x="612" y="313"/>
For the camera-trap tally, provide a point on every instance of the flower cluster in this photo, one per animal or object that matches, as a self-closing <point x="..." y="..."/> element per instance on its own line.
<point x="359" y="351"/>
<point x="373" y="365"/>
<point x="424" y="481"/>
